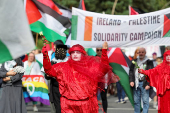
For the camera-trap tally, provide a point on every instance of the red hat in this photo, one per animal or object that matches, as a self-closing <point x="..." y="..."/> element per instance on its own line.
<point x="166" y="53"/>
<point x="77" y="47"/>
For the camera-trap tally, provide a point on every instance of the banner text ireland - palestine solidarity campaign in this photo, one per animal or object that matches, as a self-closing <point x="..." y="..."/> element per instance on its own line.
<point x="92" y="29"/>
<point x="123" y="36"/>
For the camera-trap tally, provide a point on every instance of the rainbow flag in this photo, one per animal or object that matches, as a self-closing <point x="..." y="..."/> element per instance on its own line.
<point x="35" y="89"/>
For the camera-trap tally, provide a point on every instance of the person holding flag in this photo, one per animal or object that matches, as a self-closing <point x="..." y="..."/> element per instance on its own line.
<point x="78" y="78"/>
<point x="159" y="77"/>
<point x="58" y="56"/>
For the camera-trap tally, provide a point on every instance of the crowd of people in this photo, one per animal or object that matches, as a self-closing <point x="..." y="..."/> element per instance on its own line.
<point x="77" y="80"/>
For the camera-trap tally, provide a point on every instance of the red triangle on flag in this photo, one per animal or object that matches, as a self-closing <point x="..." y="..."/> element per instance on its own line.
<point x="166" y="25"/>
<point x="132" y="11"/>
<point x="32" y="12"/>
<point x="83" y="5"/>
<point x="51" y="4"/>
<point x="118" y="57"/>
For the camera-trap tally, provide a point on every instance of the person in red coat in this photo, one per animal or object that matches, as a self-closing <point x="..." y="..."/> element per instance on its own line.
<point x="78" y="78"/>
<point x="159" y="77"/>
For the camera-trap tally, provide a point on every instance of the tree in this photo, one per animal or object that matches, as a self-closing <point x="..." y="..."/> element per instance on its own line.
<point x="151" y="5"/>
<point x="99" y="5"/>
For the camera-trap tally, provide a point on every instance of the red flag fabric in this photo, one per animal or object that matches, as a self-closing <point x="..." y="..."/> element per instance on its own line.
<point x="82" y="5"/>
<point x="132" y="11"/>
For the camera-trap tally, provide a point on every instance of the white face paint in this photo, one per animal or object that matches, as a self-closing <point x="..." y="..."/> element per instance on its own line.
<point x="76" y="55"/>
<point x="168" y="58"/>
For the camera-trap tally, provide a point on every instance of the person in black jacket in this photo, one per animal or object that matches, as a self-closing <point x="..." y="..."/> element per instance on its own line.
<point x="103" y="92"/>
<point x="138" y="83"/>
<point x="60" y="56"/>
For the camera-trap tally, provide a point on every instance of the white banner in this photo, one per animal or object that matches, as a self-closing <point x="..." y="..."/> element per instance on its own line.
<point x="92" y="29"/>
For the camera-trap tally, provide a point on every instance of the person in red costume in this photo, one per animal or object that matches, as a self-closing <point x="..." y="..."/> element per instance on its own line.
<point x="78" y="78"/>
<point x="159" y="77"/>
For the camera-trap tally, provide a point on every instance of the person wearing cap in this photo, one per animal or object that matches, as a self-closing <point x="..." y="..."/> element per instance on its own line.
<point x="154" y="56"/>
<point x="78" y="78"/>
<point x="58" y="56"/>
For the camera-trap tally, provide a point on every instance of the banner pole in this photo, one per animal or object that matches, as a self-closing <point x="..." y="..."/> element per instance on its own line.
<point x="114" y="6"/>
<point x="36" y="39"/>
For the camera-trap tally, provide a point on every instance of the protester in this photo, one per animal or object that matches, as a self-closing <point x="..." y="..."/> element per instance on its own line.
<point x="12" y="100"/>
<point x="32" y="68"/>
<point x="54" y="94"/>
<point x="159" y="77"/>
<point x="136" y="54"/>
<point x="120" y="93"/>
<point x="158" y="60"/>
<point x="78" y="79"/>
<point x="167" y="48"/>
<point x="154" y="56"/>
<point x="103" y="93"/>
<point x="138" y="83"/>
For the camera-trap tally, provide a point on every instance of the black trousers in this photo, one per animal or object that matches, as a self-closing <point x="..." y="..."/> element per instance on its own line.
<point x="56" y="101"/>
<point x="104" y="100"/>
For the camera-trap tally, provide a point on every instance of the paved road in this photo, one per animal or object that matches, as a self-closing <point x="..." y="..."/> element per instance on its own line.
<point x="112" y="107"/>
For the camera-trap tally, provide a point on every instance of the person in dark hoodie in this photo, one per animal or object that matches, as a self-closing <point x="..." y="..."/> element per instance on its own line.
<point x="58" y="56"/>
<point x="12" y="100"/>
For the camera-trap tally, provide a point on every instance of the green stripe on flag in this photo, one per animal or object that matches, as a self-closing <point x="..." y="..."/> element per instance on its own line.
<point x="74" y="27"/>
<point x="167" y="34"/>
<point x="124" y="80"/>
<point x="49" y="34"/>
<point x="40" y="64"/>
<point x="90" y="51"/>
<point x="4" y="53"/>
<point x="67" y="31"/>
<point x="36" y="89"/>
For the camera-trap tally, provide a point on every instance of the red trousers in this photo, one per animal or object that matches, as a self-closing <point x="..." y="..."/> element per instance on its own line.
<point x="164" y="103"/>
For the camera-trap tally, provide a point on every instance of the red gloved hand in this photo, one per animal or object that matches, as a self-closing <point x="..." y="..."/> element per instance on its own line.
<point x="44" y="50"/>
<point x="141" y="71"/>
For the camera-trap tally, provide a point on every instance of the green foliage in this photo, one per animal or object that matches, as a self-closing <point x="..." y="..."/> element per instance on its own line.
<point x="121" y="7"/>
<point x="99" y="5"/>
<point x="40" y="44"/>
<point x="151" y="5"/>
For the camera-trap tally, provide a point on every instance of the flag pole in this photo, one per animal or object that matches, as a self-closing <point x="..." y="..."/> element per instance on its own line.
<point x="36" y="39"/>
<point x="114" y="6"/>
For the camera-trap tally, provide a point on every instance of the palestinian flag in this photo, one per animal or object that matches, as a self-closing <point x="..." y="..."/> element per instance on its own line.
<point x="44" y="16"/>
<point x="82" y="5"/>
<point x="66" y="12"/>
<point x="121" y="66"/>
<point x="135" y="11"/>
<point x="132" y="11"/>
<point x="15" y="36"/>
<point x="24" y="57"/>
<point x="166" y="32"/>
